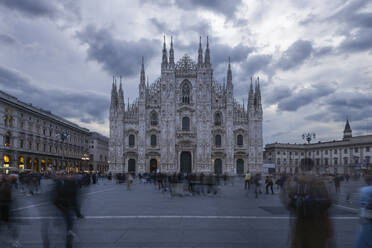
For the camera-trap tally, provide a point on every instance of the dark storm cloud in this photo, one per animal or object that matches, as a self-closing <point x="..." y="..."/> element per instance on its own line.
<point x="321" y="51"/>
<point x="295" y="55"/>
<point x="358" y="42"/>
<point x="220" y="53"/>
<point x="201" y="27"/>
<point x="85" y="106"/>
<point x="306" y="96"/>
<point x="117" y="57"/>
<point x="42" y="8"/>
<point x="341" y="104"/>
<point x="227" y="8"/>
<point x="7" y="39"/>
<point x="355" y="22"/>
<point x="277" y="94"/>
<point x="255" y="63"/>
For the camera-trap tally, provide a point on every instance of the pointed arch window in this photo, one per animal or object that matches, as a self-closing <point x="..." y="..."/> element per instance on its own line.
<point x="185" y="123"/>
<point x="239" y="140"/>
<point x="217" y="140"/>
<point x="217" y="119"/>
<point x="186" y="93"/>
<point x="153" y="140"/>
<point x="131" y="140"/>
<point x="154" y="119"/>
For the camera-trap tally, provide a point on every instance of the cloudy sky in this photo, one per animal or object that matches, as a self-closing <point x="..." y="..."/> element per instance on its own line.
<point x="313" y="57"/>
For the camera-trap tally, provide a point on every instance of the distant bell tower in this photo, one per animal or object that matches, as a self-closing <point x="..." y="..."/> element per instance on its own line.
<point x="347" y="131"/>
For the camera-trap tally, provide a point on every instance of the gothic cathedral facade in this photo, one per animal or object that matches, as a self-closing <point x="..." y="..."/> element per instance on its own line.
<point x="186" y="122"/>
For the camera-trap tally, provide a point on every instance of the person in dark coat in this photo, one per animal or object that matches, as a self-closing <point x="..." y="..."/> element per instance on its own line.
<point x="5" y="207"/>
<point x="67" y="201"/>
<point x="308" y="200"/>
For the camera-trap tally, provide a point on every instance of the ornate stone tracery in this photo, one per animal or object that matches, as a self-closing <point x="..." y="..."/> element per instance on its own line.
<point x="187" y="89"/>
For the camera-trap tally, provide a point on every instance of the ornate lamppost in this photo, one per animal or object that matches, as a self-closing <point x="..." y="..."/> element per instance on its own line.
<point x="308" y="137"/>
<point x="63" y="136"/>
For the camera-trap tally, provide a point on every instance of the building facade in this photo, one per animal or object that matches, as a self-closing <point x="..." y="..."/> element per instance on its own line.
<point x="98" y="152"/>
<point x="30" y="138"/>
<point x="337" y="156"/>
<point x="185" y="122"/>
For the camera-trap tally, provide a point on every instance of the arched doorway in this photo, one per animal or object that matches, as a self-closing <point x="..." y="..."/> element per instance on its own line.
<point x="153" y="165"/>
<point x="131" y="165"/>
<point x="240" y="166"/>
<point x="185" y="162"/>
<point x="218" y="166"/>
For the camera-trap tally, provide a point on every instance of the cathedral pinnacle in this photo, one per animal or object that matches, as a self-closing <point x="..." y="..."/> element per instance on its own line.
<point x="121" y="96"/>
<point x="250" y="96"/>
<point x="114" y="94"/>
<point x="207" y="58"/>
<point x="142" y="78"/>
<point x="164" y="62"/>
<point x="229" y="74"/>
<point x="200" y="54"/>
<point x="171" y="53"/>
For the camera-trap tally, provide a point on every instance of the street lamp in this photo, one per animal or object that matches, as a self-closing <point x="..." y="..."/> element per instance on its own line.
<point x="63" y="136"/>
<point x="308" y="137"/>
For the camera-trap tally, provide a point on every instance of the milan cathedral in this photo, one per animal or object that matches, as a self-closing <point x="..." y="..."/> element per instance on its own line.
<point x="186" y="122"/>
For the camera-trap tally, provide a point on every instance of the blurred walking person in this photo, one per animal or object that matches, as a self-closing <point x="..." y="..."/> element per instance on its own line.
<point x="67" y="201"/>
<point x="5" y="208"/>
<point x="308" y="200"/>
<point x="364" y="234"/>
<point x="257" y="185"/>
<point x="247" y="181"/>
<point x="269" y="185"/>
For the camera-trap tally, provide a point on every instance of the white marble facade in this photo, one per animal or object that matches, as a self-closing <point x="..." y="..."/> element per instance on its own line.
<point x="186" y="122"/>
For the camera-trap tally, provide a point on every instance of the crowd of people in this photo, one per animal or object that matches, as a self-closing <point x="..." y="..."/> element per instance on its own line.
<point x="306" y="195"/>
<point x="179" y="184"/>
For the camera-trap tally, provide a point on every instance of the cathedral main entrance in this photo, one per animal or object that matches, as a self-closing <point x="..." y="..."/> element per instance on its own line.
<point x="153" y="165"/>
<point x="240" y="166"/>
<point x="185" y="162"/>
<point x="218" y="166"/>
<point x="131" y="165"/>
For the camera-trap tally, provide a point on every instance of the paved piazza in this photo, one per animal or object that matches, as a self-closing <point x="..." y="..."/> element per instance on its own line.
<point x="145" y="217"/>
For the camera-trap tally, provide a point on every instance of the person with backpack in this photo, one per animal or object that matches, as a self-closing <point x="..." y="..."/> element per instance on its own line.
<point x="364" y="234"/>
<point x="308" y="200"/>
